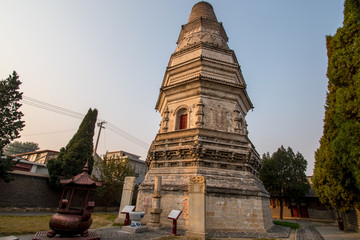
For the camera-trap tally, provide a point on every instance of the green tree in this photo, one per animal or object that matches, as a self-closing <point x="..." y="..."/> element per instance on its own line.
<point x="73" y="157"/>
<point x="336" y="177"/>
<point x="11" y="123"/>
<point x="18" y="147"/>
<point x="111" y="172"/>
<point x="283" y="175"/>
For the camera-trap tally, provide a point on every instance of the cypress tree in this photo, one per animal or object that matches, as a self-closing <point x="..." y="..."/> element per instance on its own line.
<point x="73" y="157"/>
<point x="337" y="161"/>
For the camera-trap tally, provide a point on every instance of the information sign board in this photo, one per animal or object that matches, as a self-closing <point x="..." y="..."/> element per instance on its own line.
<point x="128" y="209"/>
<point x="174" y="214"/>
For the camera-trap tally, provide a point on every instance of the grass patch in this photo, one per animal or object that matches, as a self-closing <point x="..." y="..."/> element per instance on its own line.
<point x="118" y="224"/>
<point x="287" y="224"/>
<point x="22" y="225"/>
<point x="102" y="220"/>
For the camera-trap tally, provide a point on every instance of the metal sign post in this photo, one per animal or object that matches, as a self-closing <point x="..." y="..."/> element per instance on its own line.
<point x="174" y="215"/>
<point x="126" y="210"/>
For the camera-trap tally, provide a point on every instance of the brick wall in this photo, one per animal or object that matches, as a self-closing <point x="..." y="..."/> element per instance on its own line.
<point x="28" y="190"/>
<point x="32" y="190"/>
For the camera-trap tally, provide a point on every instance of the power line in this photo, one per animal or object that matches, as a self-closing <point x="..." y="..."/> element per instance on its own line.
<point x="34" y="101"/>
<point x="126" y="135"/>
<point x="69" y="113"/>
<point x="52" y="108"/>
<point x="45" y="133"/>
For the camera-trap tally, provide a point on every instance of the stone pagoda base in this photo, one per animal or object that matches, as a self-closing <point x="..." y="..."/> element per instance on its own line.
<point x="235" y="201"/>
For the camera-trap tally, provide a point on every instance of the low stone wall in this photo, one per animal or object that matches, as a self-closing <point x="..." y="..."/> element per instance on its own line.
<point x="321" y="214"/>
<point x="28" y="190"/>
<point x="353" y="218"/>
<point x="32" y="192"/>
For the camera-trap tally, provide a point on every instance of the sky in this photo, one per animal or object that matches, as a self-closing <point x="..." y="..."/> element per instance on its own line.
<point x="112" y="55"/>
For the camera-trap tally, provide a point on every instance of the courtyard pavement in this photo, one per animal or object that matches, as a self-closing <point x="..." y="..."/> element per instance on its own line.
<point x="310" y="230"/>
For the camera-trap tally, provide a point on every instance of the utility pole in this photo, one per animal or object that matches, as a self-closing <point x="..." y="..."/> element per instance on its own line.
<point x="100" y="125"/>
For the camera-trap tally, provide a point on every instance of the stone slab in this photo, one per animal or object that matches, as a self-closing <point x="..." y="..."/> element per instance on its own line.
<point x="140" y="229"/>
<point x="9" y="238"/>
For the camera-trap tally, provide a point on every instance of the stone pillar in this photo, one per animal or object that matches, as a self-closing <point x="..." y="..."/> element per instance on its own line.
<point x="200" y="114"/>
<point x="166" y="120"/>
<point x="196" y="211"/>
<point x="156" y="210"/>
<point x="126" y="197"/>
<point x="237" y="121"/>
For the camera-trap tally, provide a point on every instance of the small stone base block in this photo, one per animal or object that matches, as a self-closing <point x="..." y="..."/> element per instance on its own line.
<point x="135" y="229"/>
<point x="154" y="226"/>
<point x="43" y="236"/>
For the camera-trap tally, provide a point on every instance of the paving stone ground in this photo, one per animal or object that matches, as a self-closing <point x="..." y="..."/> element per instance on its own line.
<point x="309" y="231"/>
<point x="275" y="232"/>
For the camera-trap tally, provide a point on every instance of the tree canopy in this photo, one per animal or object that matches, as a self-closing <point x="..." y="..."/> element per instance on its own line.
<point x="283" y="175"/>
<point x="10" y="115"/>
<point x="73" y="157"/>
<point x="18" y="147"/>
<point x="11" y="123"/>
<point x="111" y="172"/>
<point x="337" y="166"/>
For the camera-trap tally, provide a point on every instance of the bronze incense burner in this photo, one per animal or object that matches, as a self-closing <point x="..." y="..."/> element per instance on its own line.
<point x="76" y="205"/>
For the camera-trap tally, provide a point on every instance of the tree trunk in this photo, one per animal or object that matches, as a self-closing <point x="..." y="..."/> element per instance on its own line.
<point x="281" y="208"/>
<point x="340" y="220"/>
<point x="345" y="221"/>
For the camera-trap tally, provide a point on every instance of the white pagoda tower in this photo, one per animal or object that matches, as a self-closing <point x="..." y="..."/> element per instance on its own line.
<point x="203" y="103"/>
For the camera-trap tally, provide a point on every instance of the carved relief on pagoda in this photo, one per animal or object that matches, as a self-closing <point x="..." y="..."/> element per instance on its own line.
<point x="240" y="125"/>
<point x="219" y="115"/>
<point x="197" y="184"/>
<point x="187" y="152"/>
<point x="202" y="36"/>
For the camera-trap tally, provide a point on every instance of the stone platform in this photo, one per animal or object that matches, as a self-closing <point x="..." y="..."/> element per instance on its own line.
<point x="43" y="236"/>
<point x="140" y="229"/>
<point x="274" y="232"/>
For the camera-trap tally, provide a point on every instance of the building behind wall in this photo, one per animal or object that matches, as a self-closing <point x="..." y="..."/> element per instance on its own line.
<point x="40" y="156"/>
<point x="308" y="206"/>
<point x="134" y="161"/>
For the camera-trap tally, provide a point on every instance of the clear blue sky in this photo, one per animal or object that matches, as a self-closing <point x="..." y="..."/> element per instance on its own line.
<point x="112" y="55"/>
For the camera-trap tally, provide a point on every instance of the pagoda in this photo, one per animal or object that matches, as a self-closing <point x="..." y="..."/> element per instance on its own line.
<point x="203" y="132"/>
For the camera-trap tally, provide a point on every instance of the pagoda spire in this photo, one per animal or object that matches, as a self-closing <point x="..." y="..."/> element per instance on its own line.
<point x="202" y="27"/>
<point x="202" y="10"/>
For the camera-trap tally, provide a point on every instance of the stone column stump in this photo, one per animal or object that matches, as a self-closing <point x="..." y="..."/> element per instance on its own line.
<point x="197" y="216"/>
<point x="126" y="197"/>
